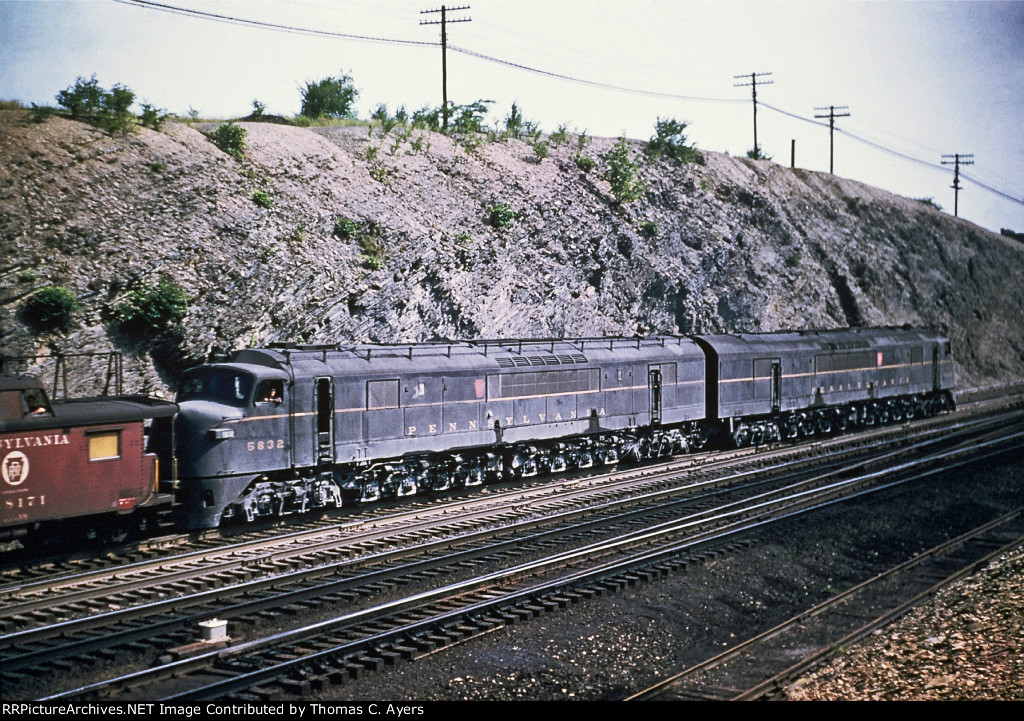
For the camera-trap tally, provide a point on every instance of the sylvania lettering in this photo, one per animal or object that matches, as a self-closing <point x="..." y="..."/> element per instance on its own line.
<point x="52" y="439"/>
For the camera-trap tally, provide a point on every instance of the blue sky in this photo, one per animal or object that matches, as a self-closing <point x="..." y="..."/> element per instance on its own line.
<point x="920" y="79"/>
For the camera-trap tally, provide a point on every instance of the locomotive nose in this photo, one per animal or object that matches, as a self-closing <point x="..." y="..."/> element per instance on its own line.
<point x="200" y="429"/>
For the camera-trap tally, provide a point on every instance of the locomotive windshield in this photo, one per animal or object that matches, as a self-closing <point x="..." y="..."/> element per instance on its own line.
<point x="223" y="385"/>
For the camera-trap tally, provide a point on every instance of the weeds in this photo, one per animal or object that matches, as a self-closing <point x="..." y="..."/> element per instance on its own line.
<point x="500" y="216"/>
<point x="49" y="308"/>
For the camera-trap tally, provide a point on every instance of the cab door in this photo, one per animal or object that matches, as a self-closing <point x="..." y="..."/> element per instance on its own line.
<point x="323" y="402"/>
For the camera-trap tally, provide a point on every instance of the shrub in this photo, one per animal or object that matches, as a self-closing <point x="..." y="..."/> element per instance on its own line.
<point x="230" y="138"/>
<point x="468" y="118"/>
<point x="373" y="250"/>
<point x="152" y="117"/>
<point x="621" y="175"/>
<point x="151" y="308"/>
<point x="649" y="229"/>
<point x="560" y="136"/>
<point x="346" y="228"/>
<point x="258" y="109"/>
<point x="500" y="216"/>
<point x="757" y="154"/>
<point x="540" y="150"/>
<point x="930" y="202"/>
<point x="261" y="198"/>
<point x="668" y="140"/>
<point x="330" y="97"/>
<point x="41" y="113"/>
<point x="585" y="163"/>
<point x="86" y="100"/>
<point x="517" y="127"/>
<point x="49" y="308"/>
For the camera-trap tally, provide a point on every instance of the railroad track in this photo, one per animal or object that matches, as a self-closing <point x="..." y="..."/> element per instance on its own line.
<point x="55" y="603"/>
<point x="762" y="666"/>
<point x="355" y="641"/>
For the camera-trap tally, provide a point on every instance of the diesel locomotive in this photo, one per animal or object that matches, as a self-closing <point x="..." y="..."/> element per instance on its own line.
<point x="291" y="428"/>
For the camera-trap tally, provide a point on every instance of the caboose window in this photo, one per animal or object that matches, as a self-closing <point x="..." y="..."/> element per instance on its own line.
<point x="104" y="445"/>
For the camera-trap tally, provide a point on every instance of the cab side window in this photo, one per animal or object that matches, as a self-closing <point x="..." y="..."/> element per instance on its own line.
<point x="270" y="392"/>
<point x="34" y="403"/>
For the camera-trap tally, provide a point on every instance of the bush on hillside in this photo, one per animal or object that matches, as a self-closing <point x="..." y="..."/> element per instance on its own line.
<point x="49" y="308"/>
<point x="329" y="98"/>
<point x="151" y="308"/>
<point x="89" y="102"/>
<point x="230" y="138"/>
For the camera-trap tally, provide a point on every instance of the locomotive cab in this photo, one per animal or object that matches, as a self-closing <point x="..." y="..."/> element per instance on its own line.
<point x="232" y="431"/>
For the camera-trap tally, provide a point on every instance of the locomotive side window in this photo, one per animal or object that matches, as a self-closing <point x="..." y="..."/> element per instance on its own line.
<point x="381" y="394"/>
<point x="270" y="392"/>
<point x="104" y="445"/>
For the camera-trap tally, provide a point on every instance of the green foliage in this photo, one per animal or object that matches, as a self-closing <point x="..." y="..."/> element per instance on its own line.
<point x="560" y="136"/>
<point x="516" y="126"/>
<point x="40" y="113"/>
<point x="87" y="101"/>
<point x="152" y="117"/>
<point x="669" y="141"/>
<point x="49" y="308"/>
<point x="585" y="163"/>
<point x="373" y="250"/>
<point x="261" y="198"/>
<point x="649" y="229"/>
<point x="380" y="174"/>
<point x="258" y="109"/>
<point x="346" y="228"/>
<point x="582" y="141"/>
<point x="464" y="240"/>
<point x="468" y="118"/>
<point x="230" y="138"/>
<point x="151" y="308"/>
<point x="500" y="216"/>
<point x="82" y="99"/>
<point x="757" y="154"/>
<point x="385" y="121"/>
<point x="622" y="174"/>
<point x="792" y="260"/>
<point x="330" y="97"/>
<point x="930" y="202"/>
<point x="541" y="150"/>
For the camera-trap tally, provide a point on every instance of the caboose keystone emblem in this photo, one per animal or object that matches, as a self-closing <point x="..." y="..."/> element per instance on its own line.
<point x="14" y="468"/>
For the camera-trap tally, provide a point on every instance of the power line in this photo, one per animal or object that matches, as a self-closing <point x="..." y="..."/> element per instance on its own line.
<point x="235" y="20"/>
<point x="163" y="7"/>
<point x="591" y="83"/>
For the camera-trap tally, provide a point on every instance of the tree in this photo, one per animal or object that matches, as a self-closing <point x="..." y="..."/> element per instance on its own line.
<point x="331" y="97"/>
<point x="621" y="175"/>
<point x="669" y="140"/>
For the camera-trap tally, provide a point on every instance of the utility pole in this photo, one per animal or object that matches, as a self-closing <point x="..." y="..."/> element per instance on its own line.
<point x="832" y="115"/>
<point x="958" y="159"/>
<point x="753" y="86"/>
<point x="443" y="22"/>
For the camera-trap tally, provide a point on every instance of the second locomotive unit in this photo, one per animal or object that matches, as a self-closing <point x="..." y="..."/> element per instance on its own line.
<point x="291" y="428"/>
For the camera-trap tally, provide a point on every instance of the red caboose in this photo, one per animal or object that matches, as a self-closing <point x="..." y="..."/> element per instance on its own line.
<point x="86" y="464"/>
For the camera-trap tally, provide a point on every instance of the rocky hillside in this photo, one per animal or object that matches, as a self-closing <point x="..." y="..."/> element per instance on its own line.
<point x="391" y="239"/>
